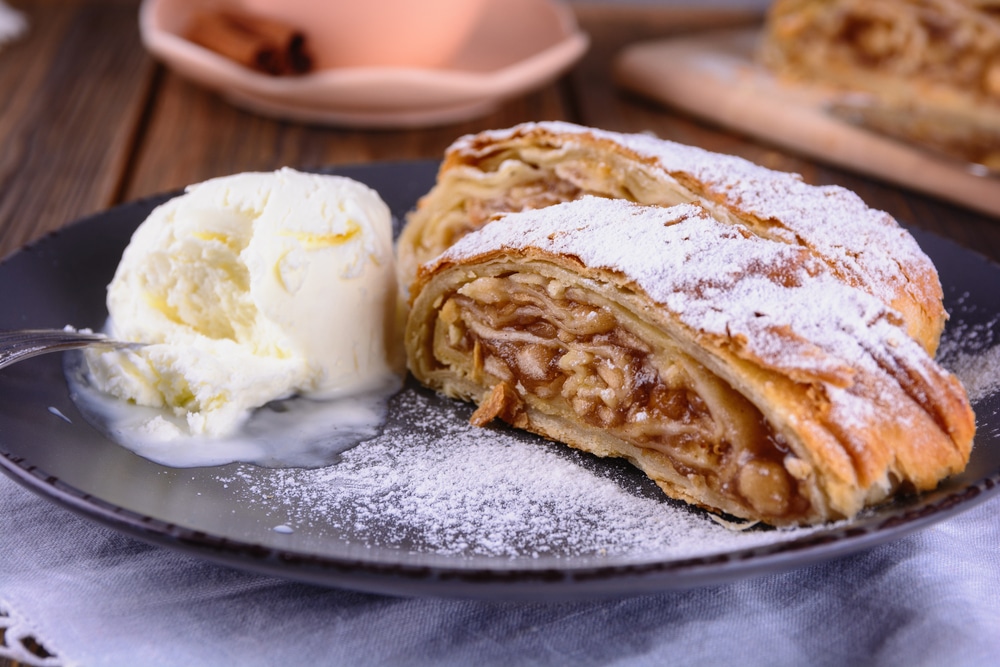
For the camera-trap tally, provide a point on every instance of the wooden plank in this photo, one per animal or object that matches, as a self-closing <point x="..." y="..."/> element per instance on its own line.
<point x="611" y="28"/>
<point x="601" y="103"/>
<point x="716" y="76"/>
<point x="193" y="134"/>
<point x="79" y="81"/>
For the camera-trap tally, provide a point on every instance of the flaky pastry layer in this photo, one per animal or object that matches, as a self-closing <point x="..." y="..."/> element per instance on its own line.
<point x="536" y="165"/>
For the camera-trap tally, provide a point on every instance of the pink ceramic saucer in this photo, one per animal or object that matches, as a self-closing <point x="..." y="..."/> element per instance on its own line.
<point x="516" y="46"/>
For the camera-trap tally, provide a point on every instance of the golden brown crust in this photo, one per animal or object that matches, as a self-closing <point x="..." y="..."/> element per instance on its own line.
<point x="502" y="403"/>
<point x="540" y="164"/>
<point x="758" y="384"/>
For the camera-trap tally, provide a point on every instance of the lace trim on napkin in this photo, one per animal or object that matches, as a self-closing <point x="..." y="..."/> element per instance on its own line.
<point x="18" y="642"/>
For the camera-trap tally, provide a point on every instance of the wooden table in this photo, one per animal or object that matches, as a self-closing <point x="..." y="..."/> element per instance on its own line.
<point x="89" y="120"/>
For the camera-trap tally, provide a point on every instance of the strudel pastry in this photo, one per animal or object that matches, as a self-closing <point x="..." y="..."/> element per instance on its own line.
<point x="740" y="372"/>
<point x="930" y="68"/>
<point x="535" y="165"/>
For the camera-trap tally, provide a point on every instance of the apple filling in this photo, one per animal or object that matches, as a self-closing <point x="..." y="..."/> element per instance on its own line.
<point x="529" y="195"/>
<point x="538" y="179"/>
<point x="563" y="351"/>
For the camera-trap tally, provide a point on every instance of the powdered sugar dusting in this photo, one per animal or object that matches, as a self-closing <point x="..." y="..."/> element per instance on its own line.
<point x="972" y="352"/>
<point x="979" y="372"/>
<point x="832" y="220"/>
<point x="774" y="300"/>
<point x="431" y="483"/>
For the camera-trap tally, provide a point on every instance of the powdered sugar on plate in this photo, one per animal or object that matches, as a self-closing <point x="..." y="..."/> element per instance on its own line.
<point x="979" y="372"/>
<point x="432" y="483"/>
<point x="972" y="351"/>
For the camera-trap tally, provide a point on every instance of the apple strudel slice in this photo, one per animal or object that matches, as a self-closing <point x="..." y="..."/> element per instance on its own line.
<point x="928" y="70"/>
<point x="740" y="373"/>
<point x="535" y="165"/>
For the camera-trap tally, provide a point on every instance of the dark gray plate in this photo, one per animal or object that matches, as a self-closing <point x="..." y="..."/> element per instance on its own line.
<point x="46" y="445"/>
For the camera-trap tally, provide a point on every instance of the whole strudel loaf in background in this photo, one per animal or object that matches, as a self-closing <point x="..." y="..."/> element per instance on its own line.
<point x="742" y="369"/>
<point x="930" y="68"/>
<point x="536" y="165"/>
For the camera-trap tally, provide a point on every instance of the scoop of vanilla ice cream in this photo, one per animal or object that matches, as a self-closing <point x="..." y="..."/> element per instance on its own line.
<point x="250" y="288"/>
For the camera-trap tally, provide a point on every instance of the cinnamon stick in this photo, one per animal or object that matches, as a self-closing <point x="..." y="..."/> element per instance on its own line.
<point x="257" y="42"/>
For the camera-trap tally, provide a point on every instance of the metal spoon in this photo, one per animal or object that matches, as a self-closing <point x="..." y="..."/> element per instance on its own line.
<point x="19" y="344"/>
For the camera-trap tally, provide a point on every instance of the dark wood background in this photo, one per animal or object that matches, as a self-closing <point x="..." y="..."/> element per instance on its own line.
<point x="89" y="120"/>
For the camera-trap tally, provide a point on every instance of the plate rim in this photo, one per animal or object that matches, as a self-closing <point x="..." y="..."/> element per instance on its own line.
<point x="568" y="582"/>
<point x="585" y="582"/>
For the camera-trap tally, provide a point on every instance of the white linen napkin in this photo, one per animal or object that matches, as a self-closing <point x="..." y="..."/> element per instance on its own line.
<point x="13" y="23"/>
<point x="96" y="598"/>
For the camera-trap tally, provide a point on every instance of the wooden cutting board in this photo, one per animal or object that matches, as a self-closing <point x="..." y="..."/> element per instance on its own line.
<point x="714" y="75"/>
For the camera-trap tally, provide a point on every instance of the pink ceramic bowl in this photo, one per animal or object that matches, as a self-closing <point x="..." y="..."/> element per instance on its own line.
<point x="377" y="33"/>
<point x="512" y="47"/>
